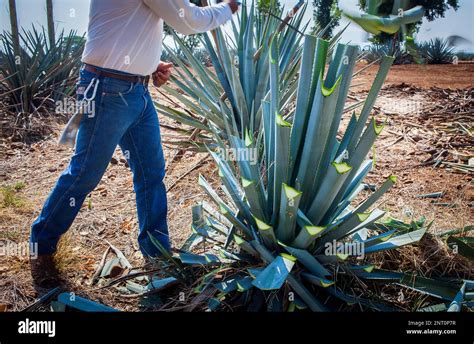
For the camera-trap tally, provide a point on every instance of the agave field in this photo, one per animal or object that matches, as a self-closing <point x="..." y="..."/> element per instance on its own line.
<point x="32" y="81"/>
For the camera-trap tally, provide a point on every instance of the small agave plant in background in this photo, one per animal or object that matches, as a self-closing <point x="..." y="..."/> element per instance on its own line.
<point x="287" y="222"/>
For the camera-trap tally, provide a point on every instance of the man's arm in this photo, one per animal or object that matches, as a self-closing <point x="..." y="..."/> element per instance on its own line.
<point x="188" y="19"/>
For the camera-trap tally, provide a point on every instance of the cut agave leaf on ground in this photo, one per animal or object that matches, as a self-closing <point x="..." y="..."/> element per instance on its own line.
<point x="288" y="210"/>
<point x="460" y="247"/>
<point x="57" y="306"/>
<point x="350" y="300"/>
<point x="254" y="272"/>
<point x="298" y="304"/>
<point x="213" y="304"/>
<point x="112" y="268"/>
<point x="456" y="305"/>
<point x="461" y="231"/>
<point x="82" y="304"/>
<point x="433" y="287"/>
<point x="158" y="284"/>
<point x="313" y="303"/>
<point x="398" y="241"/>
<point x="366" y="268"/>
<point x="440" y="307"/>
<point x="267" y="233"/>
<point x="378" y="239"/>
<point x="195" y="259"/>
<point x="275" y="274"/>
<point x="318" y="281"/>
<point x="135" y="287"/>
<point x="228" y="285"/>
<point x="244" y="284"/>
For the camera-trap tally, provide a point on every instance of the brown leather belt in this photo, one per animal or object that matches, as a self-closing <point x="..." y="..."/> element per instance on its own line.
<point x="130" y="78"/>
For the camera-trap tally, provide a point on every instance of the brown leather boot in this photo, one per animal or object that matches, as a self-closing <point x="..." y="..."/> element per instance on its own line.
<point x="44" y="271"/>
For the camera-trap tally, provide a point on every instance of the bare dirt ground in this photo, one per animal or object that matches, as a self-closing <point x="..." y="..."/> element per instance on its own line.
<point x="424" y="76"/>
<point x="423" y="132"/>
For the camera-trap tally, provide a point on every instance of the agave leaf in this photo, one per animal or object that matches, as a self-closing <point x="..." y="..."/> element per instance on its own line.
<point x="305" y="295"/>
<point x="219" y="70"/>
<point x="297" y="303"/>
<point x="366" y="268"/>
<point x="307" y="260"/>
<point x="370" y="102"/>
<point x="83" y="304"/>
<point x="440" y="307"/>
<point x="460" y="247"/>
<point x="206" y="77"/>
<point x="376" y="195"/>
<point x="248" y="68"/>
<point x="213" y="303"/>
<point x="381" y="238"/>
<point x="271" y="119"/>
<point x="352" y="190"/>
<point x="437" y="288"/>
<point x="345" y="67"/>
<point x="358" y="300"/>
<point x="181" y="117"/>
<point x="267" y="233"/>
<point x="456" y="306"/>
<point x="290" y="199"/>
<point x="228" y="285"/>
<point x="209" y="190"/>
<point x="157" y="284"/>
<point x="398" y="241"/>
<point x="303" y="97"/>
<point x="347" y="135"/>
<point x="244" y="245"/>
<point x="275" y="274"/>
<point x="334" y="179"/>
<point x="195" y="259"/>
<point x="307" y="235"/>
<point x="231" y="183"/>
<point x="302" y="220"/>
<point x="255" y="199"/>
<point x="318" y="281"/>
<point x="317" y="131"/>
<point x="354" y="223"/>
<point x="282" y="141"/>
<point x="342" y="184"/>
<point x="233" y="219"/>
<point x="244" y="284"/>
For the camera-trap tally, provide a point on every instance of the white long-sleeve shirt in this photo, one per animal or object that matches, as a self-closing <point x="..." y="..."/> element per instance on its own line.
<point x="126" y="35"/>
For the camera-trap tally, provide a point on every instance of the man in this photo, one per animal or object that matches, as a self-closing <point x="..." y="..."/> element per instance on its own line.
<point x="123" y="48"/>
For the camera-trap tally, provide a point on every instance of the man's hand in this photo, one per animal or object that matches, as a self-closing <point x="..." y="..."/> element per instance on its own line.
<point x="234" y="5"/>
<point x="162" y="74"/>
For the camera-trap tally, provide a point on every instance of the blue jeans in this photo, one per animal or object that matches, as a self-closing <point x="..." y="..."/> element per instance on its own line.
<point x="124" y="115"/>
